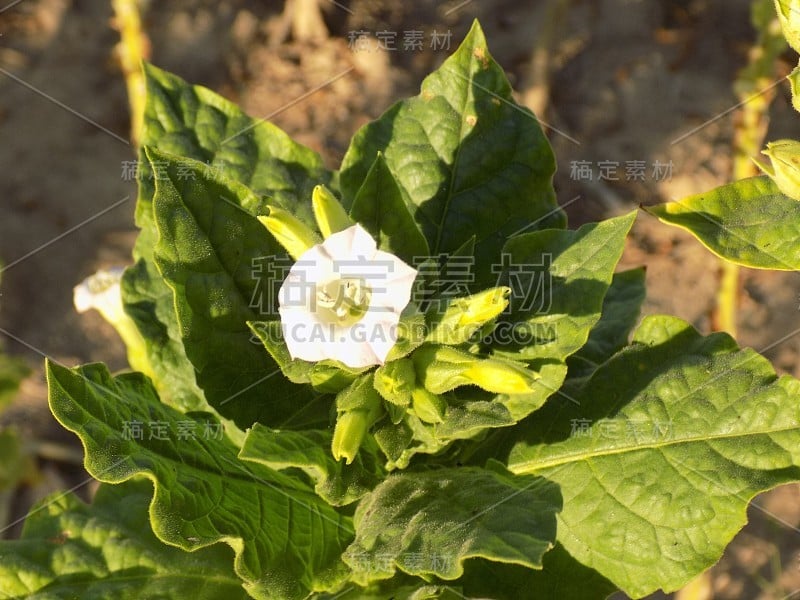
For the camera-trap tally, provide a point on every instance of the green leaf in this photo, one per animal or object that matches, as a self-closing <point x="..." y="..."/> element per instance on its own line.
<point x="325" y="376"/>
<point x="152" y="308"/>
<point x="749" y="223"/>
<point x="106" y="550"/>
<point x="558" y="281"/>
<point x="400" y="587"/>
<point x="561" y="576"/>
<point x="271" y="336"/>
<point x="429" y="523"/>
<point x="621" y="308"/>
<point x="379" y="207"/>
<point x="203" y="493"/>
<point x="208" y="243"/>
<point x="661" y="451"/>
<point x="334" y="481"/>
<point x="467" y="158"/>
<point x="194" y="122"/>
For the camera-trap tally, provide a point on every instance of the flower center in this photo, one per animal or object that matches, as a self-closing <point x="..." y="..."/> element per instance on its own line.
<point x="343" y="301"/>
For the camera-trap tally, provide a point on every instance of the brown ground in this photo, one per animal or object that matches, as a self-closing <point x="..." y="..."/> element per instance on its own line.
<point x="629" y="77"/>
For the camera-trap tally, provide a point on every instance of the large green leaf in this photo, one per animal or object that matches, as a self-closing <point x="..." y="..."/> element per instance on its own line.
<point x="400" y="587"/>
<point x="558" y="282"/>
<point x="106" y="550"/>
<point x="152" y="307"/>
<point x="194" y="122"/>
<point x="749" y="222"/>
<point x="468" y="159"/>
<point x="561" y="576"/>
<point x="431" y="522"/>
<point x="208" y="243"/>
<point x="621" y="308"/>
<point x="310" y="451"/>
<point x="203" y="493"/>
<point x="661" y="452"/>
<point x="379" y="207"/>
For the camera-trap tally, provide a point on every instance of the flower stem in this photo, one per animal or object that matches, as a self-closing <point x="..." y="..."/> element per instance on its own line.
<point x="752" y="87"/>
<point x="132" y="49"/>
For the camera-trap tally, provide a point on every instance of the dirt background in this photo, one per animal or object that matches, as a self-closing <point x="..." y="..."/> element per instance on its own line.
<point x="628" y="79"/>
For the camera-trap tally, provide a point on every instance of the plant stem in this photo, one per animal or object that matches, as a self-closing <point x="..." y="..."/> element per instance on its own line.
<point x="753" y="89"/>
<point x="132" y="49"/>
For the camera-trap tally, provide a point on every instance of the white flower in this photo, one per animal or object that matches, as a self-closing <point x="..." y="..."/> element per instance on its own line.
<point x="101" y="291"/>
<point x="342" y="300"/>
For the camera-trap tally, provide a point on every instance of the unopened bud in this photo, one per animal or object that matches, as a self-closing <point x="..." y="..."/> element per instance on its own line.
<point x="329" y="213"/>
<point x="784" y="169"/>
<point x="290" y="232"/>
<point x="441" y="369"/>
<point x="351" y="427"/>
<point x="502" y="376"/>
<point x="458" y="320"/>
<point x="359" y="407"/>
<point x="395" y="380"/>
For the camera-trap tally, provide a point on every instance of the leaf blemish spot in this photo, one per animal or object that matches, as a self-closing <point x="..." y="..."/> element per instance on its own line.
<point x="480" y="54"/>
<point x="471" y="120"/>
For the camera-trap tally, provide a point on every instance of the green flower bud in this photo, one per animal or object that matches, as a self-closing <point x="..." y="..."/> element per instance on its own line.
<point x="502" y="376"/>
<point x="789" y="16"/>
<point x="329" y="213"/>
<point x="427" y="406"/>
<point x="785" y="168"/>
<point x="456" y="321"/>
<point x="359" y="406"/>
<point x="395" y="380"/>
<point x="289" y="231"/>
<point x="351" y="427"/>
<point x="441" y="369"/>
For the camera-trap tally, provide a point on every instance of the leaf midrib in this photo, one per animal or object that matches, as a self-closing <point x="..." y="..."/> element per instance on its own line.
<point x="520" y="469"/>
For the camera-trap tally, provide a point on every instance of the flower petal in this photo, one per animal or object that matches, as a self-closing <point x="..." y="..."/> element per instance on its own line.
<point x="299" y="287"/>
<point x="299" y="326"/>
<point x="394" y="290"/>
<point x="101" y="291"/>
<point x="351" y="244"/>
<point x="380" y="329"/>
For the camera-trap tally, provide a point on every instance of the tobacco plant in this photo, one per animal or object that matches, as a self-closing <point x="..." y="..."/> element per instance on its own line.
<point x="407" y="378"/>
